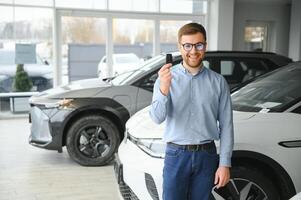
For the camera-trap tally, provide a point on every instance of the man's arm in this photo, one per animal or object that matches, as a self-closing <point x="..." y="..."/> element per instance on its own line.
<point x="158" y="108"/>
<point x="225" y="118"/>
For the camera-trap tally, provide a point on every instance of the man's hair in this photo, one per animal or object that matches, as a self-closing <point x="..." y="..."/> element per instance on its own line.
<point x="190" y="29"/>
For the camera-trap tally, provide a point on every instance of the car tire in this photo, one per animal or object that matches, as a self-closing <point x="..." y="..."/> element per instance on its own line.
<point x="247" y="184"/>
<point x="92" y="140"/>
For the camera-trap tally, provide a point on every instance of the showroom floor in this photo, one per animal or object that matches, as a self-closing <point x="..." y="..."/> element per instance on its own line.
<point x="30" y="173"/>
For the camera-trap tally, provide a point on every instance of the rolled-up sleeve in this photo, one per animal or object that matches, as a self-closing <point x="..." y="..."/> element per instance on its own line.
<point x="158" y="108"/>
<point x="225" y="118"/>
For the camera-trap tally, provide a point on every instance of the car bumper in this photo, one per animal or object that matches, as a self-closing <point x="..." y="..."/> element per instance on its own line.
<point x="46" y="127"/>
<point x="138" y="174"/>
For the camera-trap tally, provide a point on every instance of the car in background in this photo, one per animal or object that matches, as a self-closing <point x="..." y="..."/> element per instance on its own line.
<point x="266" y="159"/>
<point x="122" y="62"/>
<point x="40" y="73"/>
<point x="88" y="116"/>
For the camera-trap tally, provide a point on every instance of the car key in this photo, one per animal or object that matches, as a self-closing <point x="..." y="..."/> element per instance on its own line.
<point x="168" y="58"/>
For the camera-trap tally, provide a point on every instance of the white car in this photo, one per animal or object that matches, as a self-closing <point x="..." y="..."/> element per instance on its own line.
<point x="266" y="161"/>
<point x="123" y="62"/>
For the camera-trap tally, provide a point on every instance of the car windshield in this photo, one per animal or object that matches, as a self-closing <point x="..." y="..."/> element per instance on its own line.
<point x="146" y="66"/>
<point x="272" y="92"/>
<point x="8" y="58"/>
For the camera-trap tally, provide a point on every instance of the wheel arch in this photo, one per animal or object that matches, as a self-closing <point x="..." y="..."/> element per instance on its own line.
<point x="270" y="167"/>
<point x="108" y="112"/>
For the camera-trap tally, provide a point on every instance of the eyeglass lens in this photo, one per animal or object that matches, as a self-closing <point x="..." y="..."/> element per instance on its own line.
<point x="198" y="46"/>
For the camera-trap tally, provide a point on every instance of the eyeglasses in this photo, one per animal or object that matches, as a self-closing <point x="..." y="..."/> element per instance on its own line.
<point x="198" y="46"/>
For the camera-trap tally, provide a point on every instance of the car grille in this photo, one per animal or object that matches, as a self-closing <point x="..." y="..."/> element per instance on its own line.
<point x="126" y="192"/>
<point x="151" y="186"/>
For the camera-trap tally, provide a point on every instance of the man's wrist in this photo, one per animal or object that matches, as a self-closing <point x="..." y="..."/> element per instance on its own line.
<point x="164" y="91"/>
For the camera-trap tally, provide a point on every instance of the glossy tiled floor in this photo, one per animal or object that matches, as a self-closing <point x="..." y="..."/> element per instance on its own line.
<point x="30" y="173"/>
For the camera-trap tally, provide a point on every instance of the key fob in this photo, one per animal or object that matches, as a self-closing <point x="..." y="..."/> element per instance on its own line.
<point x="168" y="58"/>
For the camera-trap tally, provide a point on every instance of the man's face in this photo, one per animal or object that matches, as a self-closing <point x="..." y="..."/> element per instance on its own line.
<point x="192" y="58"/>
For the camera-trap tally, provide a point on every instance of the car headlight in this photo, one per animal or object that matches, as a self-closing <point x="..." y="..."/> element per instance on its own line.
<point x="61" y="104"/>
<point x="154" y="147"/>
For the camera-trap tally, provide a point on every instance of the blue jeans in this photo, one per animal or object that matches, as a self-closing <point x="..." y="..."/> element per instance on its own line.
<point x="188" y="175"/>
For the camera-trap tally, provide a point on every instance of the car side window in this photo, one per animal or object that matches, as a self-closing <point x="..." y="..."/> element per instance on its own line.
<point x="148" y="82"/>
<point x="253" y="68"/>
<point x="297" y="110"/>
<point x="232" y="71"/>
<point x="206" y="63"/>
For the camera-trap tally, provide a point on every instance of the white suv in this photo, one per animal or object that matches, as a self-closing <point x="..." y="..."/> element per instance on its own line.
<point x="266" y="159"/>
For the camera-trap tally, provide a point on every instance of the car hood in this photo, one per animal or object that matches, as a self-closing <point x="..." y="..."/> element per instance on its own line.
<point x="32" y="70"/>
<point x="142" y="126"/>
<point x="77" y="89"/>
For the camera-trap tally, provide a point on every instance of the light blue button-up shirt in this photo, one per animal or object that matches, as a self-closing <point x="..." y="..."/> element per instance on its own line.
<point x="197" y="110"/>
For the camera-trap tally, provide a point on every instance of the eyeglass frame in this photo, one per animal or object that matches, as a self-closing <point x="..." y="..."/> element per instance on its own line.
<point x="195" y="46"/>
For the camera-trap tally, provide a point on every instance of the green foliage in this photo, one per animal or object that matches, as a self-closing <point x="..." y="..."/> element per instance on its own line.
<point x="22" y="82"/>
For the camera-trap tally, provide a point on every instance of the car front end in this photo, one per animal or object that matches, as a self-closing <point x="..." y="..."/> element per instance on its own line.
<point x="51" y="109"/>
<point x="46" y="119"/>
<point x="139" y="161"/>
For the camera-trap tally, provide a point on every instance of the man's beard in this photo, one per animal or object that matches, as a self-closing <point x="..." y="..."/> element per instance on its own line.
<point x="193" y="64"/>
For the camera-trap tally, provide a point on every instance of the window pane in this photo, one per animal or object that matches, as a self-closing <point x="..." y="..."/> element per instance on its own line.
<point x="31" y="26"/>
<point x="83" y="47"/>
<point x="256" y="37"/>
<point x="184" y="6"/>
<point x="6" y="25"/>
<point x="97" y="4"/>
<point x="35" y="2"/>
<point x="169" y="34"/>
<point x="134" y="5"/>
<point x="6" y="1"/>
<point x="133" y="42"/>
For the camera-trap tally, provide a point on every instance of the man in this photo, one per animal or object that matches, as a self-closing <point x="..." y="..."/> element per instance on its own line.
<point x="196" y="104"/>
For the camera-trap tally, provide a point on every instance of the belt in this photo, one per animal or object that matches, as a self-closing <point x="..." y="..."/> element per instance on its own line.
<point x="193" y="147"/>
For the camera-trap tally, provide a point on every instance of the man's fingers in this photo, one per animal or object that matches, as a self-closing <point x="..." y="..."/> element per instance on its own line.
<point x="222" y="182"/>
<point x="165" y="67"/>
<point x="216" y="179"/>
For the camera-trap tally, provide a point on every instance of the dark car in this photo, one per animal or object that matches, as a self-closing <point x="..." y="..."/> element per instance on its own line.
<point x="89" y="116"/>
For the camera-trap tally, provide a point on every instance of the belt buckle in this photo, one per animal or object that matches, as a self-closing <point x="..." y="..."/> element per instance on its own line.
<point x="193" y="147"/>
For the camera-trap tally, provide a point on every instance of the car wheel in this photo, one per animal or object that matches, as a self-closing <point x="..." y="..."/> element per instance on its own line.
<point x="246" y="184"/>
<point x="92" y="140"/>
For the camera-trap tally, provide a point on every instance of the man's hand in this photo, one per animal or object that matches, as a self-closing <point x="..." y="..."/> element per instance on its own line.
<point x="222" y="176"/>
<point x="165" y="78"/>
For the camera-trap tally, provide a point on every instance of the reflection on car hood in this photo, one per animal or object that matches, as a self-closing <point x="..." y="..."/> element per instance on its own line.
<point x="76" y="89"/>
<point x="31" y="69"/>
<point x="142" y="126"/>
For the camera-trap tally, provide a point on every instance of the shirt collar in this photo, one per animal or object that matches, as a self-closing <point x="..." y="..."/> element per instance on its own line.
<point x="183" y="69"/>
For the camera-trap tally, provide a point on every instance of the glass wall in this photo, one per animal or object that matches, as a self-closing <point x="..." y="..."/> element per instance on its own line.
<point x="169" y="34"/>
<point x="31" y="26"/>
<point x="137" y="28"/>
<point x="83" y="45"/>
<point x="24" y="25"/>
<point x="133" y="43"/>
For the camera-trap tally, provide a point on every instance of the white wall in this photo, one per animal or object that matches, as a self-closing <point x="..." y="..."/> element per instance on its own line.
<point x="295" y="31"/>
<point x="275" y="13"/>
<point x="220" y="24"/>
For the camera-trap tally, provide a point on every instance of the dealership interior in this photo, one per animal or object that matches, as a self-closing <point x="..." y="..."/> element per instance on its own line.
<point x="57" y="55"/>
